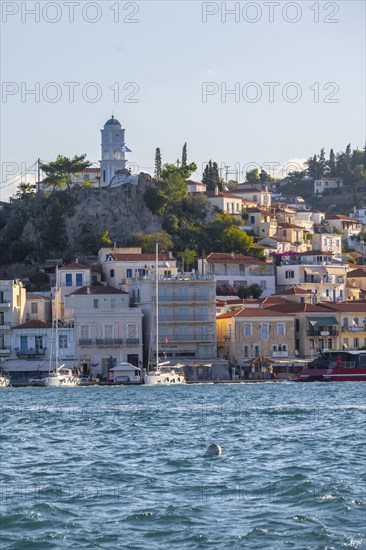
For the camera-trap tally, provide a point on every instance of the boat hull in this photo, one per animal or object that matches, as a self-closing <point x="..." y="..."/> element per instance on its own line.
<point x="163" y="379"/>
<point x="333" y="375"/>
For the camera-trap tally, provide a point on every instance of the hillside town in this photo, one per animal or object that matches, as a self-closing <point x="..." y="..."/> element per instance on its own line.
<point x="228" y="316"/>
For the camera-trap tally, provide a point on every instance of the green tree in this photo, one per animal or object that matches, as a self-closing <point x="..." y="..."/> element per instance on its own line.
<point x="147" y="242"/>
<point x="211" y="177"/>
<point x="59" y="173"/>
<point x="157" y="171"/>
<point x="188" y="257"/>
<point x="332" y="165"/>
<point x="24" y="189"/>
<point x="252" y="175"/>
<point x="253" y="291"/>
<point x="184" y="155"/>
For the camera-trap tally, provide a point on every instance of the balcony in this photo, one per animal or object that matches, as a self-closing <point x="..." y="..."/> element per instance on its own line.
<point x="353" y="329"/>
<point x="187" y="319"/>
<point x="108" y="342"/>
<point x="279" y="353"/>
<point x="331" y="331"/>
<point x="30" y="353"/>
<point x="5" y="303"/>
<point x="132" y="341"/>
<point x="190" y="338"/>
<point x="5" y="326"/>
<point x="5" y="350"/>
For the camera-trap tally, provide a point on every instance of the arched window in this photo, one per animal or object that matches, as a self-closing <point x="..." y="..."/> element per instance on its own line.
<point x="105" y="154"/>
<point x="117" y="155"/>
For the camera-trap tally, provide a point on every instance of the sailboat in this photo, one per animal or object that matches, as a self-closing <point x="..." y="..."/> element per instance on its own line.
<point x="4" y="380"/>
<point x="58" y="375"/>
<point x="161" y="373"/>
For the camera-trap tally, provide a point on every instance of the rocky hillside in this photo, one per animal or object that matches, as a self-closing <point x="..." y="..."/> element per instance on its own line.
<point x="67" y="223"/>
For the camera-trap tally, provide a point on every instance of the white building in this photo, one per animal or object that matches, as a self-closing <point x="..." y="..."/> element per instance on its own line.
<point x="317" y="271"/>
<point x="12" y="312"/>
<point x="324" y="184"/>
<point x="254" y="192"/>
<point x="238" y="270"/>
<point x="359" y="214"/>
<point x="113" y="150"/>
<point x="38" y="307"/>
<point x="328" y="242"/>
<point x="227" y="202"/>
<point x="107" y="330"/>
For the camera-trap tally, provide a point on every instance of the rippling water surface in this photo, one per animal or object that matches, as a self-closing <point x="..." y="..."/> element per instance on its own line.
<point x="123" y="467"/>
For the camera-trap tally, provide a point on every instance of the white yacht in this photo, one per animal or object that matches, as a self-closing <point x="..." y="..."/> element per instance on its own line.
<point x="4" y="381"/>
<point x="161" y="373"/>
<point x="63" y="376"/>
<point x="58" y="375"/>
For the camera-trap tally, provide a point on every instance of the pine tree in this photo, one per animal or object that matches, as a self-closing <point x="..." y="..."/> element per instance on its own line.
<point x="211" y="176"/>
<point x="332" y="164"/>
<point x="184" y="155"/>
<point x="157" y="171"/>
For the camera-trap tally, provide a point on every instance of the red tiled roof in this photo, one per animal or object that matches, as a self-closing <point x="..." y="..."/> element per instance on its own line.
<point x="356" y="273"/>
<point x="33" y="324"/>
<point x="294" y="291"/>
<point x="95" y="290"/>
<point x="289" y="226"/>
<point x="293" y="307"/>
<point x="33" y="296"/>
<point x="251" y="312"/>
<point x="141" y="257"/>
<point x="355" y="306"/>
<point x="224" y="257"/>
<point x="73" y="266"/>
<point x="340" y="217"/>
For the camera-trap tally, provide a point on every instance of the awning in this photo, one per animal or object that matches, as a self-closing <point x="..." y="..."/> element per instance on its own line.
<point x="336" y="270"/>
<point x="23" y="365"/>
<point x="323" y="321"/>
<point x="315" y="270"/>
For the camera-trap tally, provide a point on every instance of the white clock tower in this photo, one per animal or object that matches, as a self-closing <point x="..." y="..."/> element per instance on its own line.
<point x="113" y="151"/>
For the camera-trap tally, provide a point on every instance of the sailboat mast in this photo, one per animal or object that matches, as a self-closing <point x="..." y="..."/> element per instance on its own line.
<point x="157" y="303"/>
<point x="56" y="318"/>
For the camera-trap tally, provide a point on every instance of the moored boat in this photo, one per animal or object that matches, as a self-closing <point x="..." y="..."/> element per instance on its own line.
<point x="336" y="366"/>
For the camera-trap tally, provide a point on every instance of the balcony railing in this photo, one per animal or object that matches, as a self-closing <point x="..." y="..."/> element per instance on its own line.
<point x="279" y="353"/>
<point x="188" y="338"/>
<point x="5" y="350"/>
<point x="331" y="331"/>
<point x="5" y="303"/>
<point x="191" y="298"/>
<point x="108" y="342"/>
<point x="187" y="318"/>
<point x="5" y="325"/>
<point x="30" y="353"/>
<point x="353" y="329"/>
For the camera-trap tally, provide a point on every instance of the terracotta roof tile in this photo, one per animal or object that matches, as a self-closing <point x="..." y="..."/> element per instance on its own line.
<point x="33" y="324"/>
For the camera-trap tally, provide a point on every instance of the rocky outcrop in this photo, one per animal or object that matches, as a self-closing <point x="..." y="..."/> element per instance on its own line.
<point x="120" y="210"/>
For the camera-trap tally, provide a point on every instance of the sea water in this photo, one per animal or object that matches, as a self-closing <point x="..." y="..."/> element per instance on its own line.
<point x="124" y="467"/>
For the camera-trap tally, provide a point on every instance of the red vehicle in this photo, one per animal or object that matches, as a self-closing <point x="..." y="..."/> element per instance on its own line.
<point x="336" y="366"/>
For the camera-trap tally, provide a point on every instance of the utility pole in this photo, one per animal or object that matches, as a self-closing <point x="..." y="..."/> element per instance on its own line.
<point x="226" y="172"/>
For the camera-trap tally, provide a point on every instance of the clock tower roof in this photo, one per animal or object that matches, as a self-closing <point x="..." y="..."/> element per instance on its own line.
<point x="112" y="122"/>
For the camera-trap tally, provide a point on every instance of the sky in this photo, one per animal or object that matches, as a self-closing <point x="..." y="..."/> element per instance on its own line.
<point x="243" y="83"/>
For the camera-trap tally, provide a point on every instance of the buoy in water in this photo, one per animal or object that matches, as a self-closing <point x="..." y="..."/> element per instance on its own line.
<point x="213" y="450"/>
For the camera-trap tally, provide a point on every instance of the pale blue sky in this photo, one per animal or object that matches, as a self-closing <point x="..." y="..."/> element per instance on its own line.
<point x="169" y="53"/>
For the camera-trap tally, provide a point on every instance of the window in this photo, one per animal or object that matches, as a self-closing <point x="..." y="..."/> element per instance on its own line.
<point x="1" y="318"/>
<point x="290" y="274"/>
<point x="302" y="300"/>
<point x="248" y="329"/>
<point x="95" y="303"/>
<point x="252" y="219"/>
<point x="79" y="279"/>
<point x="113" y="303"/>
<point x="68" y="279"/>
<point x="356" y="322"/>
<point x="265" y="331"/>
<point x="257" y="351"/>
<point x="103" y="175"/>
<point x="131" y="330"/>
<point x="246" y="351"/>
<point x="345" y="322"/>
<point x="2" y="341"/>
<point x="263" y="285"/>
<point x="297" y="325"/>
<point x="111" y="273"/>
<point x="34" y="307"/>
<point x="281" y="329"/>
<point x="108" y="332"/>
<point x="128" y="273"/>
<point x="241" y="269"/>
<point x="62" y="341"/>
<point x="356" y="343"/>
<point x="84" y="332"/>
